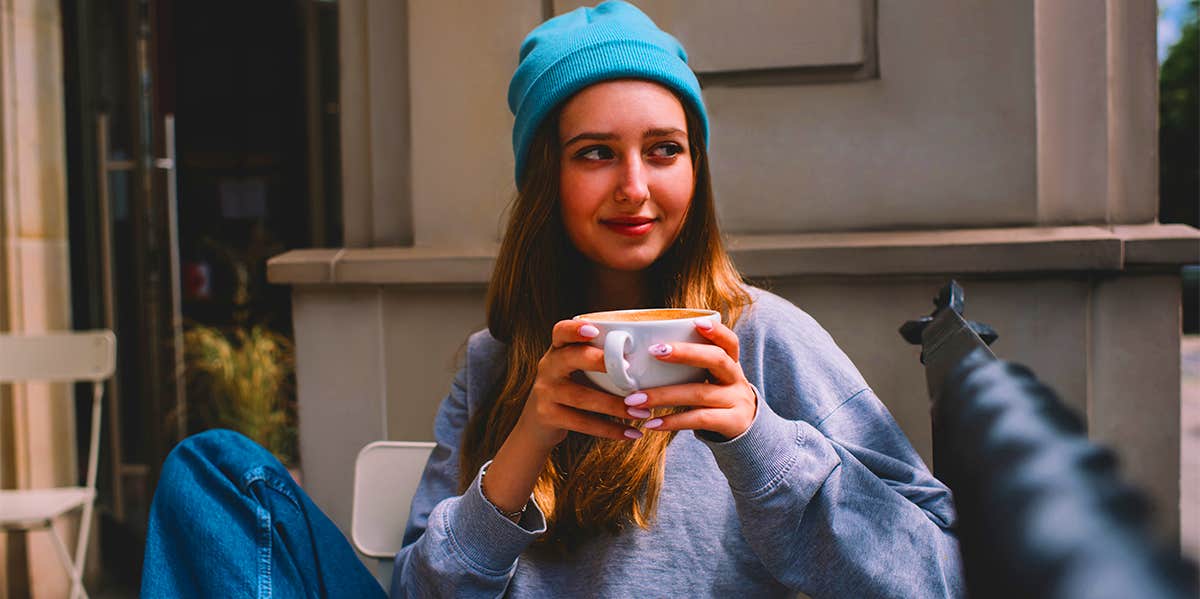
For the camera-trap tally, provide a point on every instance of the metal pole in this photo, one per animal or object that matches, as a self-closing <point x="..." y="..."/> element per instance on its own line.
<point x="110" y="318"/>
<point x="169" y="164"/>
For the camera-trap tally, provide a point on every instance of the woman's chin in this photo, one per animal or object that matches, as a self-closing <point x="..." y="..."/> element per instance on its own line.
<point x="629" y="263"/>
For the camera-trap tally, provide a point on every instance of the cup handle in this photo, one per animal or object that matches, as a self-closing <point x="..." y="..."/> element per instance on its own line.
<point x="616" y="344"/>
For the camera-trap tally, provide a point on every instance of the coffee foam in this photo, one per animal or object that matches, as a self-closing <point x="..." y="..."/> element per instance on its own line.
<point x="644" y="315"/>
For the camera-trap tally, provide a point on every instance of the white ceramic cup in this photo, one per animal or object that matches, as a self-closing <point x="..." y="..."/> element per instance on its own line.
<point x="626" y="343"/>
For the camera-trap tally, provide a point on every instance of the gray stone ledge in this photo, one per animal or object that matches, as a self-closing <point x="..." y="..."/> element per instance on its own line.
<point x="960" y="251"/>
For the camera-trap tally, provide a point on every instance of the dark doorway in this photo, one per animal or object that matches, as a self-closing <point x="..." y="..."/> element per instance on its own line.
<point x="202" y="139"/>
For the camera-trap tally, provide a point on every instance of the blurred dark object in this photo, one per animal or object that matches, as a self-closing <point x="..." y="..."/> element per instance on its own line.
<point x="1041" y="511"/>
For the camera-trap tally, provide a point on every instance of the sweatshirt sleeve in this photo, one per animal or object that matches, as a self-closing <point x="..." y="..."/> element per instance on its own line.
<point x="838" y="520"/>
<point x="458" y="545"/>
<point x="829" y="492"/>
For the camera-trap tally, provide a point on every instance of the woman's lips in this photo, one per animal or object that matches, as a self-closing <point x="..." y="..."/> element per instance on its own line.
<point x="632" y="226"/>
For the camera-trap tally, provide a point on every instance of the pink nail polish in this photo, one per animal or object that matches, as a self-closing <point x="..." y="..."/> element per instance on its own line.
<point x="633" y="433"/>
<point x="704" y="323"/>
<point x="636" y="399"/>
<point x="660" y="349"/>
<point x="588" y="331"/>
<point x="638" y="412"/>
<point x="657" y="422"/>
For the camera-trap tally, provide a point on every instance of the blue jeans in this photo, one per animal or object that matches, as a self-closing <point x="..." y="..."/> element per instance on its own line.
<point x="229" y="521"/>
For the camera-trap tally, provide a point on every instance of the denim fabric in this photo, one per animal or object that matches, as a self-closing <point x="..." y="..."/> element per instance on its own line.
<point x="822" y="494"/>
<point x="229" y="521"/>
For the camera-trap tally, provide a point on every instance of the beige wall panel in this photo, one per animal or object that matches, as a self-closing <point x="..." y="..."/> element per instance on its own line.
<point x="354" y="99"/>
<point x="36" y="259"/>
<point x="1135" y="389"/>
<point x="772" y="35"/>
<point x="426" y="333"/>
<point x="462" y="55"/>
<point x="391" y="202"/>
<point x="1042" y="323"/>
<point x="41" y="275"/>
<point x="340" y="381"/>
<point x="945" y="137"/>
<point x="1133" y="108"/>
<point x="42" y="9"/>
<point x="37" y="103"/>
<point x="1072" y="111"/>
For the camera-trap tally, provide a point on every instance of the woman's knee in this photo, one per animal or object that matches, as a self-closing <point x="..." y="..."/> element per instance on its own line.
<point x="217" y="450"/>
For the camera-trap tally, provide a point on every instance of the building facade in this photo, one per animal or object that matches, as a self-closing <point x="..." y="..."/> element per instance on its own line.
<point x="862" y="153"/>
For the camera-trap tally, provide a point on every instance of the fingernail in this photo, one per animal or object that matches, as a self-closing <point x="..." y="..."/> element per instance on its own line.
<point x="588" y="331"/>
<point x="638" y="412"/>
<point x="633" y="433"/>
<point x="660" y="349"/>
<point x="704" y="323"/>
<point x="657" y="422"/>
<point x="636" y="399"/>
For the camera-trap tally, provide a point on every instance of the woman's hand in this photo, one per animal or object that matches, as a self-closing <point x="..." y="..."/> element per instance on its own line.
<point x="556" y="404"/>
<point x="725" y="405"/>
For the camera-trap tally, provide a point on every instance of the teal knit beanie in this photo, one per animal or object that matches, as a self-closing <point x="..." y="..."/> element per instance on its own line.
<point x="565" y="54"/>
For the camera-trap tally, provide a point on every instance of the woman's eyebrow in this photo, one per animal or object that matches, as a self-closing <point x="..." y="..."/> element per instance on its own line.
<point x="663" y="132"/>
<point x="652" y="132"/>
<point x="590" y="135"/>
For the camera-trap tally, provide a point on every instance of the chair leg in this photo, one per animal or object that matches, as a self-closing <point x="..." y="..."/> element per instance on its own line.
<point x="85" y="528"/>
<point x="73" y="571"/>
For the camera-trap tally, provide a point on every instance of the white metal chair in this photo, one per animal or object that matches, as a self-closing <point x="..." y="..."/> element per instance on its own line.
<point x="65" y="358"/>
<point x="386" y="474"/>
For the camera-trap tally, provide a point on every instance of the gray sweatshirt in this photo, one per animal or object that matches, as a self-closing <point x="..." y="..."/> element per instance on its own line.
<point x="822" y="494"/>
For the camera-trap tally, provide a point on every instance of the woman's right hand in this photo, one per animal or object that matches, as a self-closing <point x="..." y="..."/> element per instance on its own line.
<point x="557" y="404"/>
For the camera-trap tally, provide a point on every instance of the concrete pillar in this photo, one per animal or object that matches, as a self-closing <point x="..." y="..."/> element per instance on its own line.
<point x="1135" y="328"/>
<point x="37" y="424"/>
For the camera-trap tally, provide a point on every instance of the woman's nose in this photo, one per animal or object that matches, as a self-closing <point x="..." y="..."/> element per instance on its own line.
<point x="633" y="185"/>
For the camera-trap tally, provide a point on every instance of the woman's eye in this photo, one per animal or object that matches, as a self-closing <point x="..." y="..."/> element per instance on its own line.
<point x="668" y="150"/>
<point x="595" y="153"/>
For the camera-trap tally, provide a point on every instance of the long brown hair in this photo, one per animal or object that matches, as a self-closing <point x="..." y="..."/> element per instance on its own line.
<point x="589" y="484"/>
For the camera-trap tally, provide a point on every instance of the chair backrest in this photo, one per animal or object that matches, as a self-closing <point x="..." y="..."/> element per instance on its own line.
<point x="64" y="357"/>
<point x="58" y="357"/>
<point x="386" y="474"/>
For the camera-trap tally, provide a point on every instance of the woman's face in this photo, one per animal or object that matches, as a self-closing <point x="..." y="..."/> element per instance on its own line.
<point x="626" y="174"/>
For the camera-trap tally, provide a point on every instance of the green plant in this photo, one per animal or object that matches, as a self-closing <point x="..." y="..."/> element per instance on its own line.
<point x="243" y="380"/>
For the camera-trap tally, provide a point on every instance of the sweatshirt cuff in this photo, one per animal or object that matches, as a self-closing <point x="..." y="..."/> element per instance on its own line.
<point x="772" y="448"/>
<point x="484" y="537"/>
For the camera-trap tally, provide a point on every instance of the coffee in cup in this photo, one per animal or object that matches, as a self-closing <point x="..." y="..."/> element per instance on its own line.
<point x="626" y="336"/>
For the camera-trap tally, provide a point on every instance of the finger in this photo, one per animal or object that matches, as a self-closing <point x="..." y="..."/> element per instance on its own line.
<point x="560" y="363"/>
<point x="572" y="331"/>
<point x="721" y="335"/>
<point x="590" y="400"/>
<point x="591" y="424"/>
<point x="704" y="419"/>
<point x="689" y="395"/>
<point x="702" y="355"/>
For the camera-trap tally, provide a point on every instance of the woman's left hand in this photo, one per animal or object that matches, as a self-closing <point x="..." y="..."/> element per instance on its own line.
<point x="725" y="405"/>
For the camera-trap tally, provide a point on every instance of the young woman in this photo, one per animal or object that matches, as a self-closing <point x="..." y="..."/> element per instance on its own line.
<point x="781" y="473"/>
